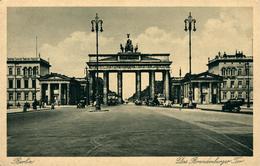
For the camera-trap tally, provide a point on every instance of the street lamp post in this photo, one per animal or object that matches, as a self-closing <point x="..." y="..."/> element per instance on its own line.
<point x="189" y="26"/>
<point x="97" y="26"/>
<point x="248" y="84"/>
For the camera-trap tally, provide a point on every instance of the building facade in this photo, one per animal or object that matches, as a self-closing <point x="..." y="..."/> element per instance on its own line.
<point x="205" y="88"/>
<point x="23" y="79"/>
<point x="236" y="77"/>
<point x="60" y="89"/>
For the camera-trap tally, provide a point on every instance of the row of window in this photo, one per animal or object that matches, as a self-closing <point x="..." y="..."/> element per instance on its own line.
<point x="26" y="71"/>
<point x="232" y="72"/>
<point x="11" y="96"/>
<point x="18" y="84"/>
<point x="234" y="95"/>
<point x="232" y="84"/>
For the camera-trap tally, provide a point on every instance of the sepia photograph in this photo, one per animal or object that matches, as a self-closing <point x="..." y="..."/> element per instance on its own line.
<point x="130" y="81"/>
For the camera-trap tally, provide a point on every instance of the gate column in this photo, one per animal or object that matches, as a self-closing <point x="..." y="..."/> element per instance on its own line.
<point x="91" y="92"/>
<point x="119" y="86"/>
<point x="166" y="82"/>
<point x="152" y="84"/>
<point x="106" y="87"/>
<point x="138" y="84"/>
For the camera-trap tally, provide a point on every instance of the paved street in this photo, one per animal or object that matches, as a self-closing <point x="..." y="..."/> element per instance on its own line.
<point x="129" y="130"/>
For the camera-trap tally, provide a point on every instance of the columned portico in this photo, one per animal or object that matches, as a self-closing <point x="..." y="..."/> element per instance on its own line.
<point x="59" y="89"/>
<point x="205" y="87"/>
<point x="138" y="84"/>
<point x="152" y="84"/>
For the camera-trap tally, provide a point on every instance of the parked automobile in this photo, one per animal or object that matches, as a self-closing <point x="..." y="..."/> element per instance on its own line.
<point x="138" y="102"/>
<point x="161" y="99"/>
<point x="112" y="99"/>
<point x="233" y="105"/>
<point x="81" y="104"/>
<point x="167" y="103"/>
<point x="186" y="102"/>
<point x="126" y="101"/>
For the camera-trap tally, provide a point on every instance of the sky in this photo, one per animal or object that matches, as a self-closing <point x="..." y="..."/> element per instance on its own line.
<point x="65" y="37"/>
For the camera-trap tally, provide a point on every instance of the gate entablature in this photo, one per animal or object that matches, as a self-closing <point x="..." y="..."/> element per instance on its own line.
<point x="129" y="62"/>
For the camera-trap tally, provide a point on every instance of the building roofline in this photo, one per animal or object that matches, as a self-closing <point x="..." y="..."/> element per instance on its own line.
<point x="28" y="60"/>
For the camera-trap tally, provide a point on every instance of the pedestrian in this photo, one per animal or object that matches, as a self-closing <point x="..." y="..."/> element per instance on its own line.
<point x="52" y="106"/>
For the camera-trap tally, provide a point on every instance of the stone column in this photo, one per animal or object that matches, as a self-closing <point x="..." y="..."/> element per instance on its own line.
<point x="60" y="90"/>
<point x="199" y="92"/>
<point x="119" y="87"/>
<point x="152" y="84"/>
<point x="49" y="93"/>
<point x="166" y="89"/>
<point x="90" y="91"/>
<point x="105" y="87"/>
<point x="138" y="84"/>
<point x="210" y="92"/>
<point x="219" y="92"/>
<point x="68" y="93"/>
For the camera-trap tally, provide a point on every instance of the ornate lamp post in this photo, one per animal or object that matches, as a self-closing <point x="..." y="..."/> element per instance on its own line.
<point x="96" y="27"/>
<point x="189" y="26"/>
<point x="248" y="84"/>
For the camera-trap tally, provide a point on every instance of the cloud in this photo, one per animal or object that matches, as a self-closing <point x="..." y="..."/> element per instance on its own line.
<point x="228" y="32"/>
<point x="70" y="55"/>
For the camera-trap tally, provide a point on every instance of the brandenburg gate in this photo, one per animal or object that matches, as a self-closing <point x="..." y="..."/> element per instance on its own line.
<point x="129" y="60"/>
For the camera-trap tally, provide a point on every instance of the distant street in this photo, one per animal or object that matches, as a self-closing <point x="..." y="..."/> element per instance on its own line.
<point x="129" y="130"/>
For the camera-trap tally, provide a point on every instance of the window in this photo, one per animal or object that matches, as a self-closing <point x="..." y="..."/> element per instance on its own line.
<point x="18" y="71"/>
<point x="18" y="96"/>
<point x="33" y="83"/>
<point x="246" y="95"/>
<point x="33" y="95"/>
<point x="239" y="94"/>
<point x="247" y="83"/>
<point x="25" y="71"/>
<point x="26" y="82"/>
<point x="233" y="71"/>
<point x="10" y="71"/>
<point x="227" y="71"/>
<point x="223" y="71"/>
<point x="10" y="83"/>
<point x="30" y="71"/>
<point x="247" y="71"/>
<point x="18" y="83"/>
<point x="10" y="96"/>
<point x="224" y="95"/>
<point x="239" y="84"/>
<point x="35" y="71"/>
<point x="224" y="84"/>
<point x="232" y="84"/>
<point x="232" y="95"/>
<point x="239" y="73"/>
<point x="26" y="94"/>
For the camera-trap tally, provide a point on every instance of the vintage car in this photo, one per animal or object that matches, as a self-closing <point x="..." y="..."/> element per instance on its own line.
<point x="161" y="99"/>
<point x="138" y="102"/>
<point x="233" y="105"/>
<point x="185" y="103"/>
<point x="167" y="103"/>
<point x="81" y="104"/>
<point x="112" y="99"/>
